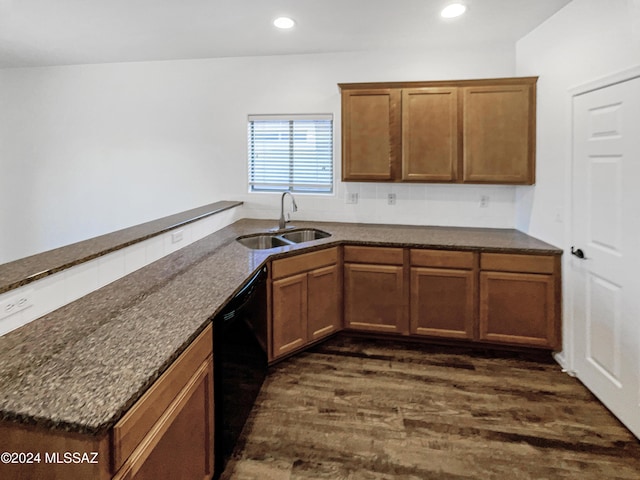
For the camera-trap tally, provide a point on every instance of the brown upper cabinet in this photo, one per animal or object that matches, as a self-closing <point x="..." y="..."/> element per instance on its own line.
<point x="370" y="130"/>
<point x="430" y="134"/>
<point x="466" y="131"/>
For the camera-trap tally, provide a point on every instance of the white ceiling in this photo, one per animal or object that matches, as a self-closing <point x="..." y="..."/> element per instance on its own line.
<point x="63" y="32"/>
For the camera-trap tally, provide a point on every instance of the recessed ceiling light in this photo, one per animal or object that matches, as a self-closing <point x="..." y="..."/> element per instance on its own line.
<point x="453" y="10"/>
<point x="284" y="22"/>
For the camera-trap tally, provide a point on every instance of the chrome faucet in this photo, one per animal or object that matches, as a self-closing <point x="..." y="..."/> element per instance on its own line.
<point x="294" y="208"/>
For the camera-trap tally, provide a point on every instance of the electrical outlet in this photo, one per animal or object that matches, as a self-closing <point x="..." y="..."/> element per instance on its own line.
<point x="351" y="198"/>
<point x="391" y="199"/>
<point x="484" y="201"/>
<point x="16" y="304"/>
<point x="177" y="236"/>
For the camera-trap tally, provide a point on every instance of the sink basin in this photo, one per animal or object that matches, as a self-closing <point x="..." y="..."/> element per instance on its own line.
<point x="306" y="235"/>
<point x="264" y="241"/>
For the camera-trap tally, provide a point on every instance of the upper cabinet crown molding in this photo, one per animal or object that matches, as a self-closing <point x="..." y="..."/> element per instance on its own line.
<point x="458" y="131"/>
<point x="439" y="83"/>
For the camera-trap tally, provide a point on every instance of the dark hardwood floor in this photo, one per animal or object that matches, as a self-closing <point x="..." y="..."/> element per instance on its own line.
<point x="364" y="409"/>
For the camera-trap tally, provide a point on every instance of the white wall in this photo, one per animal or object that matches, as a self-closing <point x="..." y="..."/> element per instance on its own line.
<point x="586" y="40"/>
<point x="280" y="92"/>
<point x="87" y="150"/>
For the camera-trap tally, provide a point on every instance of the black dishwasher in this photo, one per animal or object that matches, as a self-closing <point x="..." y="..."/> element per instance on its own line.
<point x="240" y="363"/>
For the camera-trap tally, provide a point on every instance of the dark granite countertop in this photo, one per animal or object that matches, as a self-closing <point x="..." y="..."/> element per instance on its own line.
<point x="81" y="367"/>
<point x="29" y="269"/>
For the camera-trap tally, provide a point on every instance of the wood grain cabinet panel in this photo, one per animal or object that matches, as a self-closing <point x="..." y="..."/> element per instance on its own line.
<point x="499" y="134"/>
<point x="324" y="313"/>
<point x="430" y="134"/>
<point x="520" y="307"/>
<point x="442" y="259"/>
<point x="18" y="438"/>
<point x="458" y="131"/>
<point x="135" y="425"/>
<point x="146" y="441"/>
<point x="374" y="298"/>
<point x="306" y="300"/>
<point x="179" y="446"/>
<point x="305" y="262"/>
<point x="370" y="134"/>
<point x="373" y="255"/>
<point x="443" y="293"/>
<point x="509" y="262"/>
<point x="517" y="308"/>
<point x="443" y="302"/>
<point x="290" y="310"/>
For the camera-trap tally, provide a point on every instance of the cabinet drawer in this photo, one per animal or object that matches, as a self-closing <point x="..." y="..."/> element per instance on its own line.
<point x="139" y="420"/>
<point x="374" y="255"/>
<point x="442" y="258"/>
<point x="303" y="263"/>
<point x="503" y="262"/>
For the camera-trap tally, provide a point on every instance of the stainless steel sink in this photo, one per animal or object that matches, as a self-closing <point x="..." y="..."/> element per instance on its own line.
<point x="305" y="235"/>
<point x="264" y="241"/>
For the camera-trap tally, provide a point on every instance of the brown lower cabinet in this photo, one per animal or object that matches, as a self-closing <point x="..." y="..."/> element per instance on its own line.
<point x="184" y="430"/>
<point x="305" y="300"/>
<point x="494" y="298"/>
<point x="374" y="289"/>
<point x="168" y="433"/>
<point x="443" y="293"/>
<point x="520" y="299"/>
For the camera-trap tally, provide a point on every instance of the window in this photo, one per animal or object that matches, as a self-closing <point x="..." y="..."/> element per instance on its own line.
<point x="291" y="152"/>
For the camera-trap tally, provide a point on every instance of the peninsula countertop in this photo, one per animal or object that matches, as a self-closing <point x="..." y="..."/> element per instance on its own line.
<point x="81" y="367"/>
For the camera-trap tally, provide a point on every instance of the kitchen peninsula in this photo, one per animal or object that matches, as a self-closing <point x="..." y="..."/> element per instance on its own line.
<point x="72" y="375"/>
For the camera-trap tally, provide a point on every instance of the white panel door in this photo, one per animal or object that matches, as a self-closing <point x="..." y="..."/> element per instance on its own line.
<point x="606" y="229"/>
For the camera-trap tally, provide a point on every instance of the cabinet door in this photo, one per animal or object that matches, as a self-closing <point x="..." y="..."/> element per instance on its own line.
<point x="323" y="297"/>
<point x="179" y="446"/>
<point x="144" y="416"/>
<point x="374" y="298"/>
<point x="430" y="134"/>
<point x="289" y="314"/>
<point x="442" y="302"/>
<point x="370" y="134"/>
<point x="499" y="134"/>
<point x="518" y="308"/>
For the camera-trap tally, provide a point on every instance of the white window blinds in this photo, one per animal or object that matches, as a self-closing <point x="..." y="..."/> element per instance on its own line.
<point x="291" y="152"/>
